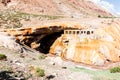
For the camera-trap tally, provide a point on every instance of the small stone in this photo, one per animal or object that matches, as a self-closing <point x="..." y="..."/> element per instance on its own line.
<point x="64" y="67"/>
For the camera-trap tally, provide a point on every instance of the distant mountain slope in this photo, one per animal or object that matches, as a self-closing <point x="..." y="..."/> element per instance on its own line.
<point x="73" y="8"/>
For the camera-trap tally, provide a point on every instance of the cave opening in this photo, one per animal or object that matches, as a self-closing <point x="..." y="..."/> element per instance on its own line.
<point x="47" y="41"/>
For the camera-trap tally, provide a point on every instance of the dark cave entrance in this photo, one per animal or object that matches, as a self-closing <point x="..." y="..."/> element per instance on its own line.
<point x="42" y="38"/>
<point x="47" y="41"/>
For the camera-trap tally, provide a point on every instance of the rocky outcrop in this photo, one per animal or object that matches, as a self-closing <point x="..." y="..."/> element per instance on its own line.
<point x="39" y="38"/>
<point x="89" y="45"/>
<point x="97" y="49"/>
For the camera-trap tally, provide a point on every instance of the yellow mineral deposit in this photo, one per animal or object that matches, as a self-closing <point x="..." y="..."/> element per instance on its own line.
<point x="88" y="45"/>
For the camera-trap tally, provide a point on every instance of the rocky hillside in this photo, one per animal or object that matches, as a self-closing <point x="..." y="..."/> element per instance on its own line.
<point x="71" y="8"/>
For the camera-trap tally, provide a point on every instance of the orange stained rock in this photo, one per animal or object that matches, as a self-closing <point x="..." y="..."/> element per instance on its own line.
<point x="94" y="51"/>
<point x="104" y="46"/>
<point x="34" y="45"/>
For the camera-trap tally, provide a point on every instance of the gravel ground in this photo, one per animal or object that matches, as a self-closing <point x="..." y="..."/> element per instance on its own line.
<point x="55" y="68"/>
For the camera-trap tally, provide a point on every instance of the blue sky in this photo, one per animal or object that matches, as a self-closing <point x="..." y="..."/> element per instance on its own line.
<point x="116" y="4"/>
<point x="110" y="5"/>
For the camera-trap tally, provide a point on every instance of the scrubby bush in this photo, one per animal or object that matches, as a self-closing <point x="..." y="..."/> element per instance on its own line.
<point x="3" y="57"/>
<point x="40" y="72"/>
<point x="99" y="16"/>
<point x="115" y="69"/>
<point x="42" y="56"/>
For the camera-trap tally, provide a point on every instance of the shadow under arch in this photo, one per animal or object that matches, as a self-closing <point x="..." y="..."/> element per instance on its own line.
<point x="47" y="41"/>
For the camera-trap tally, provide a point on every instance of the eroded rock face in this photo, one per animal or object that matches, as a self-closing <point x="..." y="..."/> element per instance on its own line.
<point x="97" y="48"/>
<point x="38" y="38"/>
<point x="94" y="46"/>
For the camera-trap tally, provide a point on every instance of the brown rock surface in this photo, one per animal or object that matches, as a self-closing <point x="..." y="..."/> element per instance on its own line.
<point x="97" y="47"/>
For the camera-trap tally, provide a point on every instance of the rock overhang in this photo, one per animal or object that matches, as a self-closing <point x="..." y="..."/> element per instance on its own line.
<point x="98" y="50"/>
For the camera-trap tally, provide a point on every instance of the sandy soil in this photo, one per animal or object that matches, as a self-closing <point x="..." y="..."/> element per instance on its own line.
<point x="52" y="65"/>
